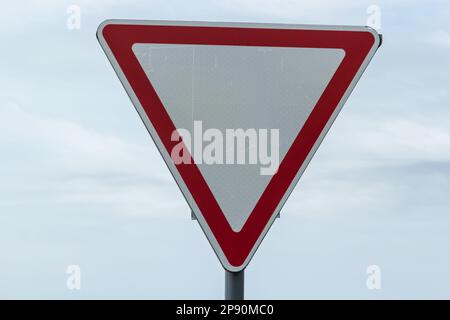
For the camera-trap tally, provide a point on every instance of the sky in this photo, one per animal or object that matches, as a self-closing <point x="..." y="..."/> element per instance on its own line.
<point x="81" y="182"/>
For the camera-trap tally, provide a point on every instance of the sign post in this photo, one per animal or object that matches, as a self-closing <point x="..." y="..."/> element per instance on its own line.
<point x="237" y="111"/>
<point x="234" y="285"/>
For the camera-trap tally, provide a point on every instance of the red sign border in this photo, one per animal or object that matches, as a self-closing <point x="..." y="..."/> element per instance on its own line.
<point x="237" y="246"/>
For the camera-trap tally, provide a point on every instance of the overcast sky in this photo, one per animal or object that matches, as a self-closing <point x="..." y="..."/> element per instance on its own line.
<point x="82" y="183"/>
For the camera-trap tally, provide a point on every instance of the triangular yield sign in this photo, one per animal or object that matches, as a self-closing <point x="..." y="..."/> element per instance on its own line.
<point x="212" y="77"/>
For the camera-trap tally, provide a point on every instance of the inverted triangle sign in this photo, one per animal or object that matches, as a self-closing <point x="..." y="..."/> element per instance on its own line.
<point x="290" y="81"/>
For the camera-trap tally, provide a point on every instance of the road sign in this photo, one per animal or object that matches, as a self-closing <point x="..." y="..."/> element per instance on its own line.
<point x="237" y="111"/>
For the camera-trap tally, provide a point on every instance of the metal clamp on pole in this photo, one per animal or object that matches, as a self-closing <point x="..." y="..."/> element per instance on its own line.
<point x="234" y="285"/>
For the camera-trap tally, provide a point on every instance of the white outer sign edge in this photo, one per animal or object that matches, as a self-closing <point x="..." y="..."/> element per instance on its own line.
<point x="167" y="159"/>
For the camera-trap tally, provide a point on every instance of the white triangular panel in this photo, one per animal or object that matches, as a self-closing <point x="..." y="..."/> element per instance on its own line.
<point x="230" y="87"/>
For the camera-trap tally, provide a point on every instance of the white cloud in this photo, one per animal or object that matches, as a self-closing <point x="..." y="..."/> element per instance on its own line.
<point x="405" y="142"/>
<point x="286" y="9"/>
<point x="49" y="160"/>
<point x="396" y="142"/>
<point x="440" y="38"/>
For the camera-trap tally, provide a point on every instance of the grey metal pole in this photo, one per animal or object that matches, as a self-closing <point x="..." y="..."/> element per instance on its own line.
<point x="234" y="285"/>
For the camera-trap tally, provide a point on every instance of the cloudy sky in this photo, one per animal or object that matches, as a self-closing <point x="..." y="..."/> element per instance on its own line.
<point x="81" y="182"/>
